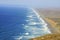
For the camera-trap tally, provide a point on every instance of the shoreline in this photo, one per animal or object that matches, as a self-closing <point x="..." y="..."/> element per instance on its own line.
<point x="38" y="15"/>
<point x="52" y="29"/>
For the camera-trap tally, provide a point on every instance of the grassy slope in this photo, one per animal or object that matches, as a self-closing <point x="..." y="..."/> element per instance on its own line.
<point x="48" y="37"/>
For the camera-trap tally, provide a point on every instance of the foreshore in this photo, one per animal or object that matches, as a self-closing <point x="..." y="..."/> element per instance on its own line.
<point x="50" y="27"/>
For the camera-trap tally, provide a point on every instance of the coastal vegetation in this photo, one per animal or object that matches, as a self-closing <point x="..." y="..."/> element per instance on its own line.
<point x="48" y="37"/>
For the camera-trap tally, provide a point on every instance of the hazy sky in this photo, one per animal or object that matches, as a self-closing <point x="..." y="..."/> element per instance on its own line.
<point x="33" y="3"/>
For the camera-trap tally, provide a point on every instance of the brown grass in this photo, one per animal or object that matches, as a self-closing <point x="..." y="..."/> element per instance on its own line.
<point x="48" y="37"/>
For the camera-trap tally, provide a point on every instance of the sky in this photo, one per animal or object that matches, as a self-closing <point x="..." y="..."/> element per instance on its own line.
<point x="32" y="3"/>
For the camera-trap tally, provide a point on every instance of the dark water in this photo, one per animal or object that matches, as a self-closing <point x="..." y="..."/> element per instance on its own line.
<point x="10" y="22"/>
<point x="13" y="21"/>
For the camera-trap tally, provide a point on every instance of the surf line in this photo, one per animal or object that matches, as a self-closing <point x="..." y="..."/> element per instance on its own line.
<point x="40" y="19"/>
<point x="38" y="16"/>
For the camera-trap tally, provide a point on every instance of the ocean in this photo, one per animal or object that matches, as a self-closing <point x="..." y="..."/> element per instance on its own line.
<point x="20" y="23"/>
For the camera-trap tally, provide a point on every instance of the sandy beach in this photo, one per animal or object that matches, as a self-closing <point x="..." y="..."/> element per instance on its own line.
<point x="49" y="13"/>
<point x="52" y="18"/>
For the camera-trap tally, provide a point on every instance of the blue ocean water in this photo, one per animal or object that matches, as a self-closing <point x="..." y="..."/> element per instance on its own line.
<point x="20" y="23"/>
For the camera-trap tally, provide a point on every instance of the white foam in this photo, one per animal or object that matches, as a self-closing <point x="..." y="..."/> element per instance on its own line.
<point x="40" y="19"/>
<point x="33" y="23"/>
<point x="30" y="16"/>
<point x="27" y="33"/>
<point x="35" y="31"/>
<point x="18" y="37"/>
